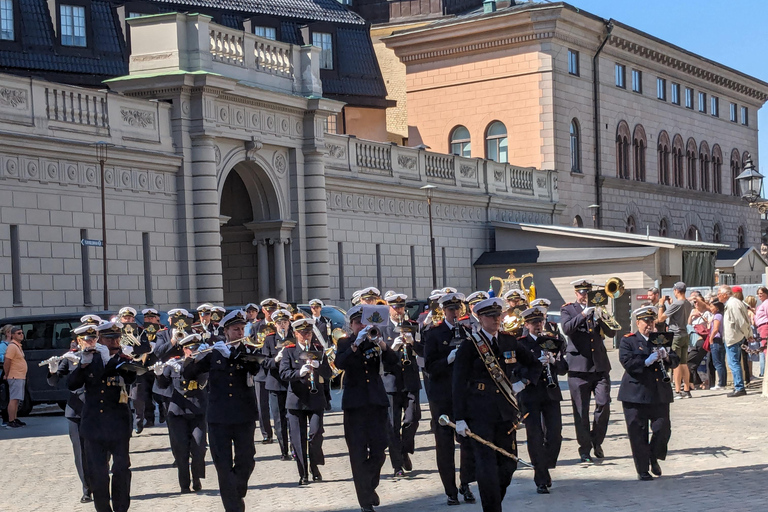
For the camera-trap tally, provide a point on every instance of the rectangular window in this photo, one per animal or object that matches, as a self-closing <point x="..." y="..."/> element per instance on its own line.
<point x="745" y="116"/>
<point x="637" y="81"/>
<point x="331" y="125"/>
<point x="676" y="94"/>
<point x="703" y="102"/>
<point x="86" y="266"/>
<point x="621" y="76"/>
<point x="15" y="266"/>
<point x="147" y="269"/>
<point x="341" y="270"/>
<point x="266" y="32"/>
<point x="661" y="89"/>
<point x="323" y="41"/>
<point x="734" y="119"/>
<point x="714" y="106"/>
<point x="6" y="20"/>
<point x="573" y="62"/>
<point x="72" y="25"/>
<point x="688" y="97"/>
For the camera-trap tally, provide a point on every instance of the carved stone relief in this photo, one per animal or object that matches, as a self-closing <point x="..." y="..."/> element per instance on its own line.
<point x="138" y="118"/>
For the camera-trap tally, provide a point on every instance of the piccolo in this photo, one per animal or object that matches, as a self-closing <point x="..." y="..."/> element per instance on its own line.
<point x="57" y="359"/>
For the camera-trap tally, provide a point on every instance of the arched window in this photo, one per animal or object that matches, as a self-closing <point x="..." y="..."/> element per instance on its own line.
<point x="735" y="170"/>
<point x="577" y="222"/>
<point x="692" y="233"/>
<point x="496" y="142"/>
<point x="460" y="142"/>
<point x="575" y="146"/>
<point x="741" y="237"/>
<point x="704" y="166"/>
<point x="663" y="158"/>
<point x="622" y="150"/>
<point x="716" y="236"/>
<point x="717" y="170"/>
<point x="663" y="227"/>
<point x="691" y="154"/>
<point x="678" y="174"/>
<point x="630" y="227"/>
<point x="639" y="143"/>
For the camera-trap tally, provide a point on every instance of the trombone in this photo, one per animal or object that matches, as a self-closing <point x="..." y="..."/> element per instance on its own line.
<point x="614" y="288"/>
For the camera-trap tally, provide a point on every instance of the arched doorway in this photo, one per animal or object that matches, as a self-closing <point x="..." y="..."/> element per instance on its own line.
<point x="253" y="237"/>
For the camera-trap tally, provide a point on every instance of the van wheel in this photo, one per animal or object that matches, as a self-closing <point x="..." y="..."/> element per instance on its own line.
<point x="25" y="407"/>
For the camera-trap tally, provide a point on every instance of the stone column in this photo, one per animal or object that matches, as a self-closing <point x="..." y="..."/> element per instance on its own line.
<point x="207" y="235"/>
<point x="279" y="257"/>
<point x="262" y="256"/>
<point x="316" y="224"/>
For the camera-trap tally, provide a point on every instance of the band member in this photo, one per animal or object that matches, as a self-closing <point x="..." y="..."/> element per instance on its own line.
<point x="306" y="370"/>
<point x="472" y="300"/>
<point x="268" y="306"/>
<point x="324" y="326"/>
<point x="369" y="296"/>
<point x="273" y="349"/>
<point x="106" y="417"/>
<point x="252" y="317"/>
<point x="141" y="392"/>
<point x="516" y="299"/>
<point x="440" y="347"/>
<point x="365" y="404"/>
<point x="484" y="402"/>
<point x="167" y="347"/>
<point x="217" y="313"/>
<point x="86" y="338"/>
<point x="644" y="394"/>
<point x="231" y="414"/>
<point x="186" y="415"/>
<point x="588" y="370"/>
<point x="402" y="383"/>
<point x="541" y="400"/>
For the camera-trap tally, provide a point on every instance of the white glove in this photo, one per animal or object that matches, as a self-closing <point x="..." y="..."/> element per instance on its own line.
<point x="53" y="367"/>
<point x="547" y="358"/>
<point x="103" y="352"/>
<point x="86" y="357"/>
<point x="279" y="355"/>
<point x="461" y="428"/>
<point x="128" y="350"/>
<point x="314" y="363"/>
<point x="588" y="311"/>
<point x="361" y="336"/>
<point x="203" y="346"/>
<point x="304" y="370"/>
<point x="72" y="357"/>
<point x="398" y="343"/>
<point x="663" y="352"/>
<point x="222" y="348"/>
<point x="652" y="359"/>
<point x="159" y="370"/>
<point x="452" y="355"/>
<point x="518" y="387"/>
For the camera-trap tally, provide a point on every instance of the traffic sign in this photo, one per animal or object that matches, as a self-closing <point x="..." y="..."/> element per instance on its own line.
<point x="91" y="243"/>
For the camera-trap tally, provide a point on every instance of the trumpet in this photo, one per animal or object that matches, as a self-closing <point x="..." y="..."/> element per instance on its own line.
<point x="373" y="334"/>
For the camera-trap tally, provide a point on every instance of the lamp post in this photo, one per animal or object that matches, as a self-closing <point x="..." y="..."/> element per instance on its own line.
<point x="429" y="190"/>
<point x="594" y="208"/>
<point x="750" y="183"/>
<point x="102" y="149"/>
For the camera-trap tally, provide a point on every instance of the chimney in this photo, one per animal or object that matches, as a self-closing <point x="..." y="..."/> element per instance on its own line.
<point x="489" y="6"/>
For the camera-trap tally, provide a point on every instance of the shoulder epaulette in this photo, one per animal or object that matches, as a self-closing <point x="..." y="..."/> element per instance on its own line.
<point x="567" y="304"/>
<point x="628" y="335"/>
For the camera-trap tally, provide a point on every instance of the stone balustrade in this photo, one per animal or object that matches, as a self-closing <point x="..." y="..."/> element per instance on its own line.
<point x="348" y="155"/>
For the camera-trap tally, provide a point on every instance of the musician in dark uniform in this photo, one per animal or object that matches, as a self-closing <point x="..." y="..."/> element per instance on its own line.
<point x="106" y="418"/>
<point x="644" y="394"/>
<point x="186" y="415"/>
<point x="252" y="328"/>
<point x="472" y="300"/>
<point x="588" y="370"/>
<point x="323" y="324"/>
<point x="141" y="392"/>
<point x="273" y="351"/>
<point x="369" y="296"/>
<point x="305" y="369"/>
<point x="439" y="354"/>
<point x="231" y="413"/>
<point x="365" y="405"/>
<point x="486" y="407"/>
<point x="402" y="382"/>
<point x="167" y="347"/>
<point x="544" y="423"/>
<point x="214" y="327"/>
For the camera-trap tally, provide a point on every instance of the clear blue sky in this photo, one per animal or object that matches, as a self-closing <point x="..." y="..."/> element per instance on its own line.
<point x="731" y="32"/>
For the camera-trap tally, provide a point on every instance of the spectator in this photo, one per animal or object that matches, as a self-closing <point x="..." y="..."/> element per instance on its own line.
<point x="761" y="323"/>
<point x="736" y="330"/>
<point x="5" y="339"/>
<point x="654" y="299"/>
<point x="716" y="346"/>
<point x="698" y="331"/>
<point x="15" y="369"/>
<point x="746" y="359"/>
<point x="676" y="315"/>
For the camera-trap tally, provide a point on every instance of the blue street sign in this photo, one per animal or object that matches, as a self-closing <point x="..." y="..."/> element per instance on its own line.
<point x="91" y="243"/>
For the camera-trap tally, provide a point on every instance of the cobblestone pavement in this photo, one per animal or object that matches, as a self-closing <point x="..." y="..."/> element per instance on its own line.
<point x="718" y="459"/>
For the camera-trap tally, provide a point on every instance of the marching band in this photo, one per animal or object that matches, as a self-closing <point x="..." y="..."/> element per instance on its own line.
<point x="490" y="367"/>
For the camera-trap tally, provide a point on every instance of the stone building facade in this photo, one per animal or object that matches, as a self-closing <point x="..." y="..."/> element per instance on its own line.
<point x="665" y="166"/>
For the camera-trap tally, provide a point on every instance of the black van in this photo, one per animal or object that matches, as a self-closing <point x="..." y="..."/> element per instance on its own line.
<point x="45" y="336"/>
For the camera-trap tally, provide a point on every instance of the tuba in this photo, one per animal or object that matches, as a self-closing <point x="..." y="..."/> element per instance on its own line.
<point x="512" y="281"/>
<point x="513" y="322"/>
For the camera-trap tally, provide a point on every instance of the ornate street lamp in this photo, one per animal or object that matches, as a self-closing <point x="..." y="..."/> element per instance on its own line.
<point x="429" y="189"/>
<point x="102" y="149"/>
<point x="750" y="183"/>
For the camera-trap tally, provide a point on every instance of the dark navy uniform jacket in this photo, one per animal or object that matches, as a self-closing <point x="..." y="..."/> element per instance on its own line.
<point x="273" y="382"/>
<point x="643" y="384"/>
<point x="76" y="398"/>
<point x="586" y="348"/>
<point x="299" y="395"/>
<point x="164" y="350"/>
<point x="323" y="323"/>
<point x="397" y="375"/>
<point x="189" y="398"/>
<point x="437" y="346"/>
<point x="475" y="395"/>
<point x="537" y="390"/>
<point x="230" y="398"/>
<point x="104" y="418"/>
<point x="363" y="385"/>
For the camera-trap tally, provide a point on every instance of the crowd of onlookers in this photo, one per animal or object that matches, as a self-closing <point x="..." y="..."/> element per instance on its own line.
<point x="13" y="374"/>
<point x="712" y="332"/>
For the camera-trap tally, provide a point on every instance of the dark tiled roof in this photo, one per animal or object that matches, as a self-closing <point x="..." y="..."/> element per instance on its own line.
<point x="316" y="10"/>
<point x="358" y="68"/>
<point x="731" y="254"/>
<point x="508" y="257"/>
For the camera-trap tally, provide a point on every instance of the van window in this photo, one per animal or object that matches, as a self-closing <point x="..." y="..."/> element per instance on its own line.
<point x="37" y="335"/>
<point x="63" y="335"/>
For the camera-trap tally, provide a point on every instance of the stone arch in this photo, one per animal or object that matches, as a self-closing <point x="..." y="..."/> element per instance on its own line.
<point x="260" y="180"/>
<point x="678" y="174"/>
<point x="704" y="160"/>
<point x="633" y="211"/>
<point x="623" y="137"/>
<point x="692" y="157"/>
<point x="639" y="143"/>
<point x="664" y="148"/>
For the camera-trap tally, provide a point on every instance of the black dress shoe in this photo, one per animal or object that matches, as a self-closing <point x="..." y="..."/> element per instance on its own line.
<point x="149" y="423"/>
<point x="139" y="427"/>
<point x="316" y="476"/>
<point x="367" y="509"/>
<point x="735" y="393"/>
<point x="285" y="457"/>
<point x="267" y="440"/>
<point x="407" y="464"/>
<point x="196" y="485"/>
<point x="599" y="451"/>
<point x="586" y="459"/>
<point x="86" y="498"/>
<point x="399" y="473"/>
<point x="303" y="481"/>
<point x="186" y="491"/>
<point x="655" y="468"/>
<point x="542" y="489"/>
<point x="375" y="499"/>
<point x="453" y="500"/>
<point x="328" y="407"/>
<point x="645" y="477"/>
<point x="549" y="481"/>
<point x="465" y="491"/>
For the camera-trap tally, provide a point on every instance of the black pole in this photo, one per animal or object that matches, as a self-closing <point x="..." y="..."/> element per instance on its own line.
<point x="598" y="219"/>
<point x="104" y="234"/>
<point x="432" y="244"/>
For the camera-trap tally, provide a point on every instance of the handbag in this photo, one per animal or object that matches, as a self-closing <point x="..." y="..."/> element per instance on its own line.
<point x="702" y="330"/>
<point x="705" y="346"/>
